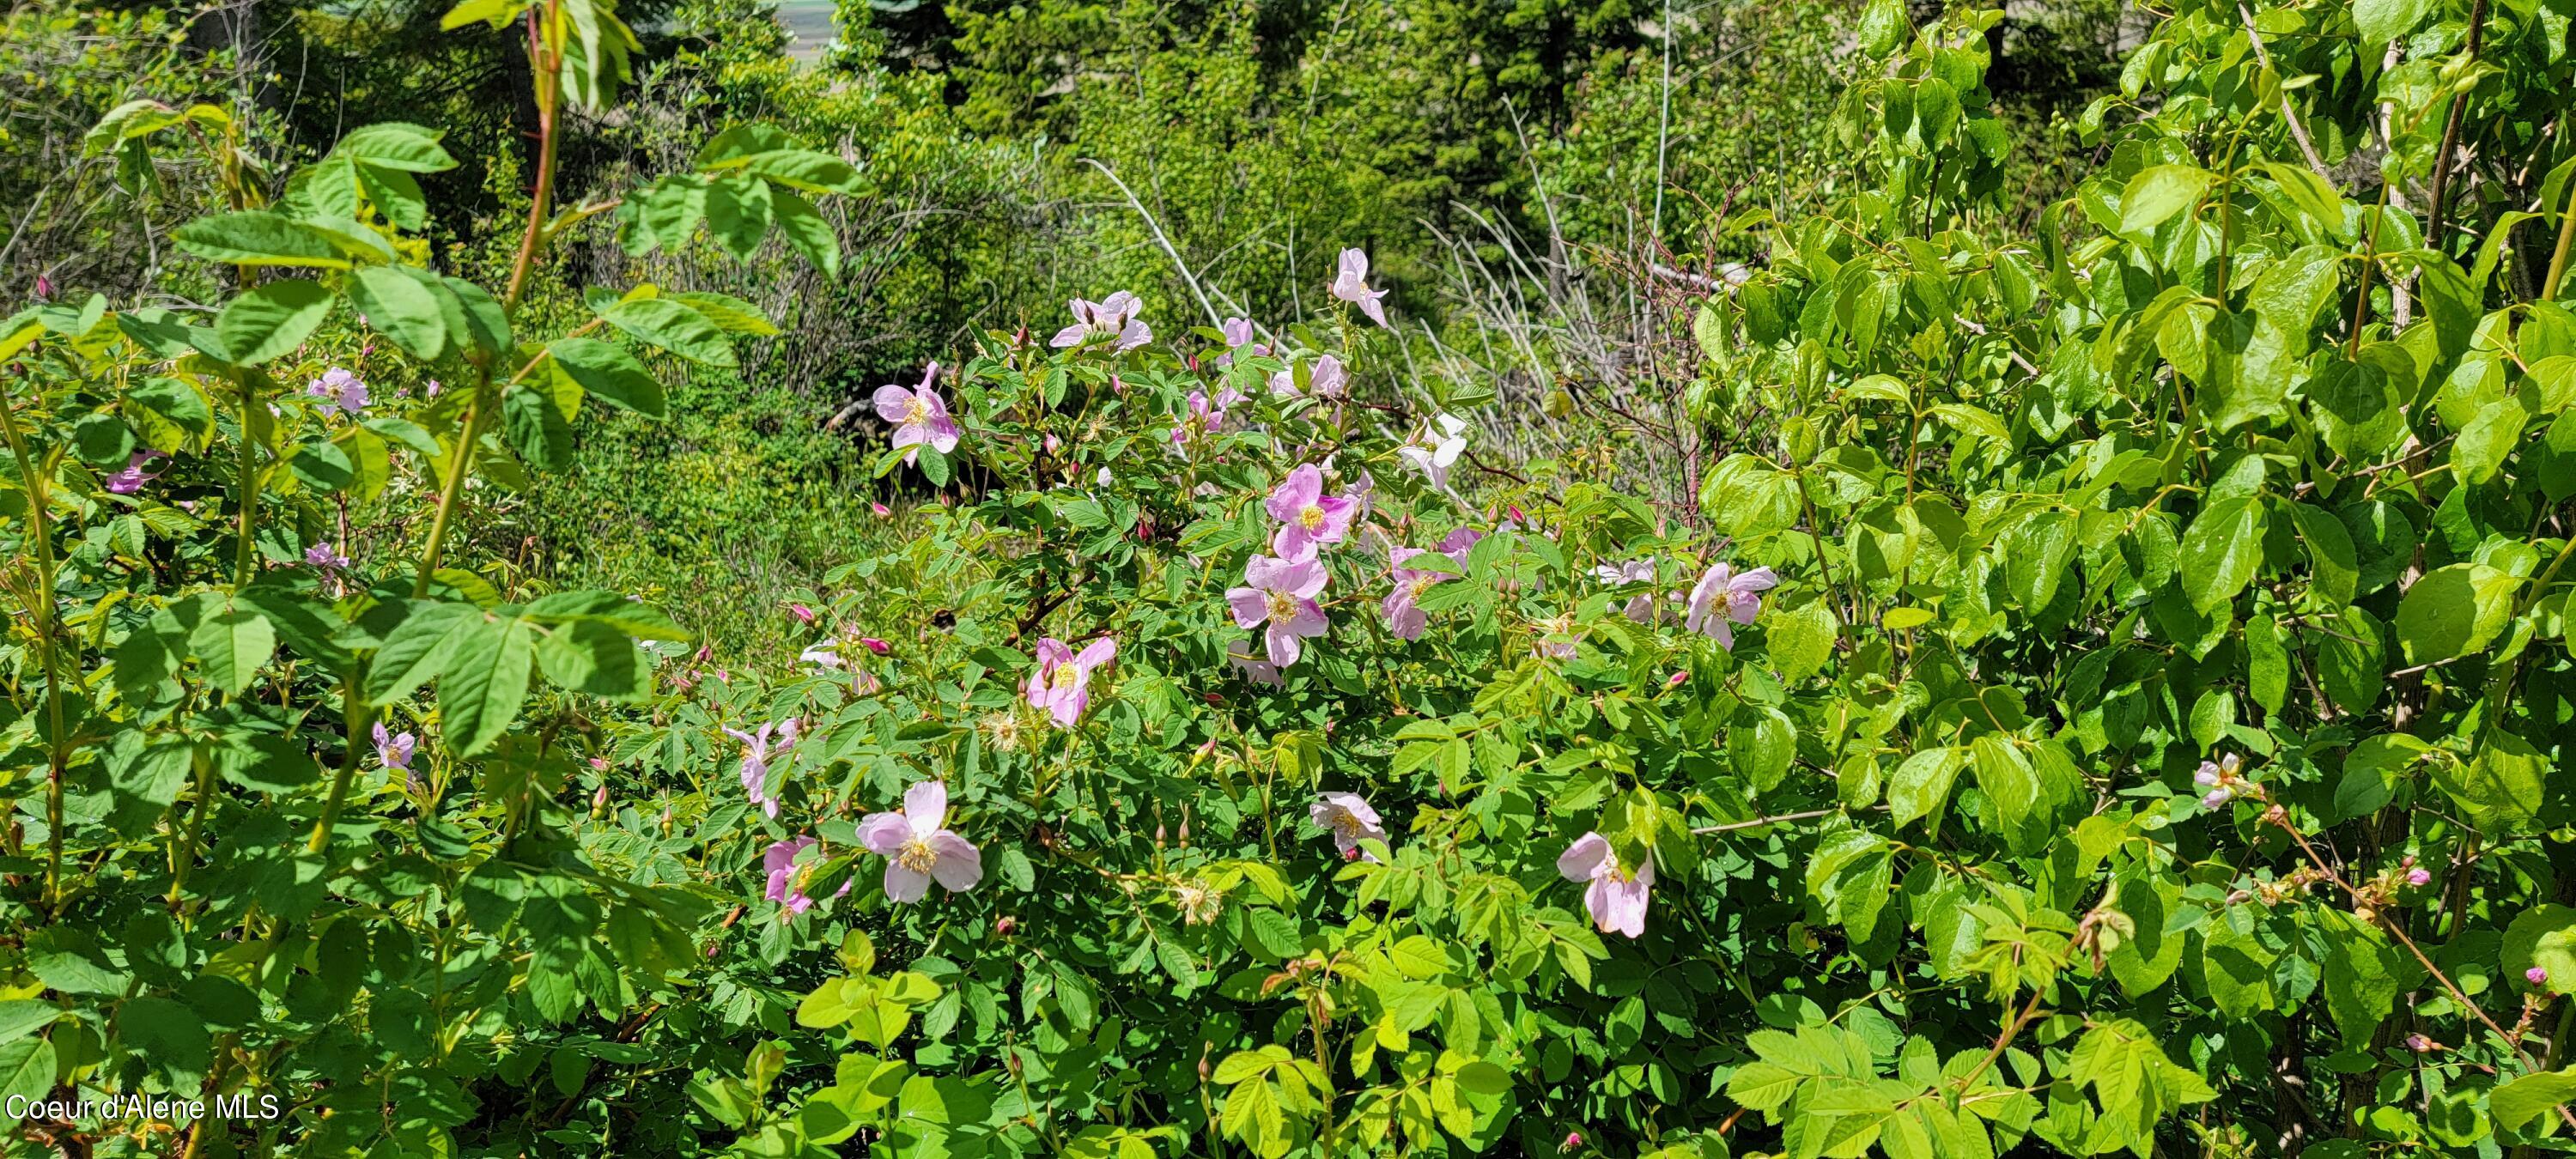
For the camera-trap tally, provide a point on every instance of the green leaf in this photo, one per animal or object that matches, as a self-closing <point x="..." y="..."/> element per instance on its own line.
<point x="2502" y="786"/>
<point x="1801" y="640"/>
<point x="2518" y="1102"/>
<point x="419" y="647"/>
<point x="1882" y="27"/>
<point x="2037" y="555"/>
<point x="230" y="646"/>
<point x="20" y="1017"/>
<point x="2454" y="611"/>
<point x="271" y="319"/>
<point x="590" y="656"/>
<point x="2220" y="551"/>
<point x="673" y="326"/>
<point x="2364" y="974"/>
<point x="26" y="1070"/>
<point x="2334" y="571"/>
<point x="536" y="429"/>
<point x="805" y="169"/>
<point x="2381" y="21"/>
<point x="258" y="237"/>
<point x="484" y="683"/>
<point x="264" y="763"/>
<point x="1922" y="784"/>
<point x="167" y="1038"/>
<point x="2267" y="664"/>
<point x="401" y="306"/>
<point x="806" y="231"/>
<point x="2159" y="193"/>
<point x="738" y="213"/>
<point x="605" y="371"/>
<point x="397" y="146"/>
<point x="475" y="322"/>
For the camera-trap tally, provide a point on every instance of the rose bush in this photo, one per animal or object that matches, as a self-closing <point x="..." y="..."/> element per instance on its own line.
<point x="2110" y="694"/>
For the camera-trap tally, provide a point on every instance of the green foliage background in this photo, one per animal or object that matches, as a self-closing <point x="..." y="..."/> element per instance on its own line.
<point x="2157" y="425"/>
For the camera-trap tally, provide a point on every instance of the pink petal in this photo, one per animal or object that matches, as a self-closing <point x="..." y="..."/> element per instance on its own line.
<point x="1355" y="805"/>
<point x="1582" y="858"/>
<point x="1069" y="336"/>
<point x="1624" y="908"/>
<point x="1291" y="544"/>
<point x="1302" y="487"/>
<point x="1249" y="604"/>
<point x="885" y="833"/>
<point x="960" y="865"/>
<point x="1305" y="579"/>
<point x="926" y="804"/>
<point x="1282" y="645"/>
<point x="1309" y="620"/>
<point x="1377" y="313"/>
<point x="1096" y="653"/>
<point x="1067" y="706"/>
<point x="893" y="403"/>
<point x="904" y="884"/>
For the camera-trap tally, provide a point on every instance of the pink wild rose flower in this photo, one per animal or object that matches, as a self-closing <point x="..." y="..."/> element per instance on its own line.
<point x="1307" y="517"/>
<point x="1329" y="379"/>
<point x="1113" y="317"/>
<point x="757" y="750"/>
<point x="1349" y="819"/>
<point x="1616" y="900"/>
<point x="1062" y="683"/>
<point x="393" y="750"/>
<point x="1433" y="451"/>
<point x="918" y="849"/>
<point x="341" y="389"/>
<point x="919" y="416"/>
<point x="1350" y="284"/>
<point x="786" y="886"/>
<point x="133" y="477"/>
<point x="1281" y="593"/>
<point x="1722" y="599"/>
<point x="1404" y="615"/>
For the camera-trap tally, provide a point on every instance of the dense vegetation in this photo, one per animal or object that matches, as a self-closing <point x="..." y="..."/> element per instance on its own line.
<point x="1780" y="580"/>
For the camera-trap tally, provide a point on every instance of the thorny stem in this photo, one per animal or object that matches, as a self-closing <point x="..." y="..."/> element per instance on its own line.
<point x="48" y="629"/>
<point x="548" y="67"/>
<point x="2003" y="1040"/>
<point x="2280" y="817"/>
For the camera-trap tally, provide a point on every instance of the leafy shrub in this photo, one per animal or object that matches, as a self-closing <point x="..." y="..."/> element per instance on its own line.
<point x="2114" y="699"/>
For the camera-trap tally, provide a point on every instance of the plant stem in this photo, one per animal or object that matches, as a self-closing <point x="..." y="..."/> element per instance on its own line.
<point x="244" y="554"/>
<point x="449" y="491"/>
<point x="187" y="858"/>
<point x="356" y="713"/>
<point x="2558" y="257"/>
<point x="2451" y="132"/>
<point x="48" y="629"/>
<point x="549" y="90"/>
